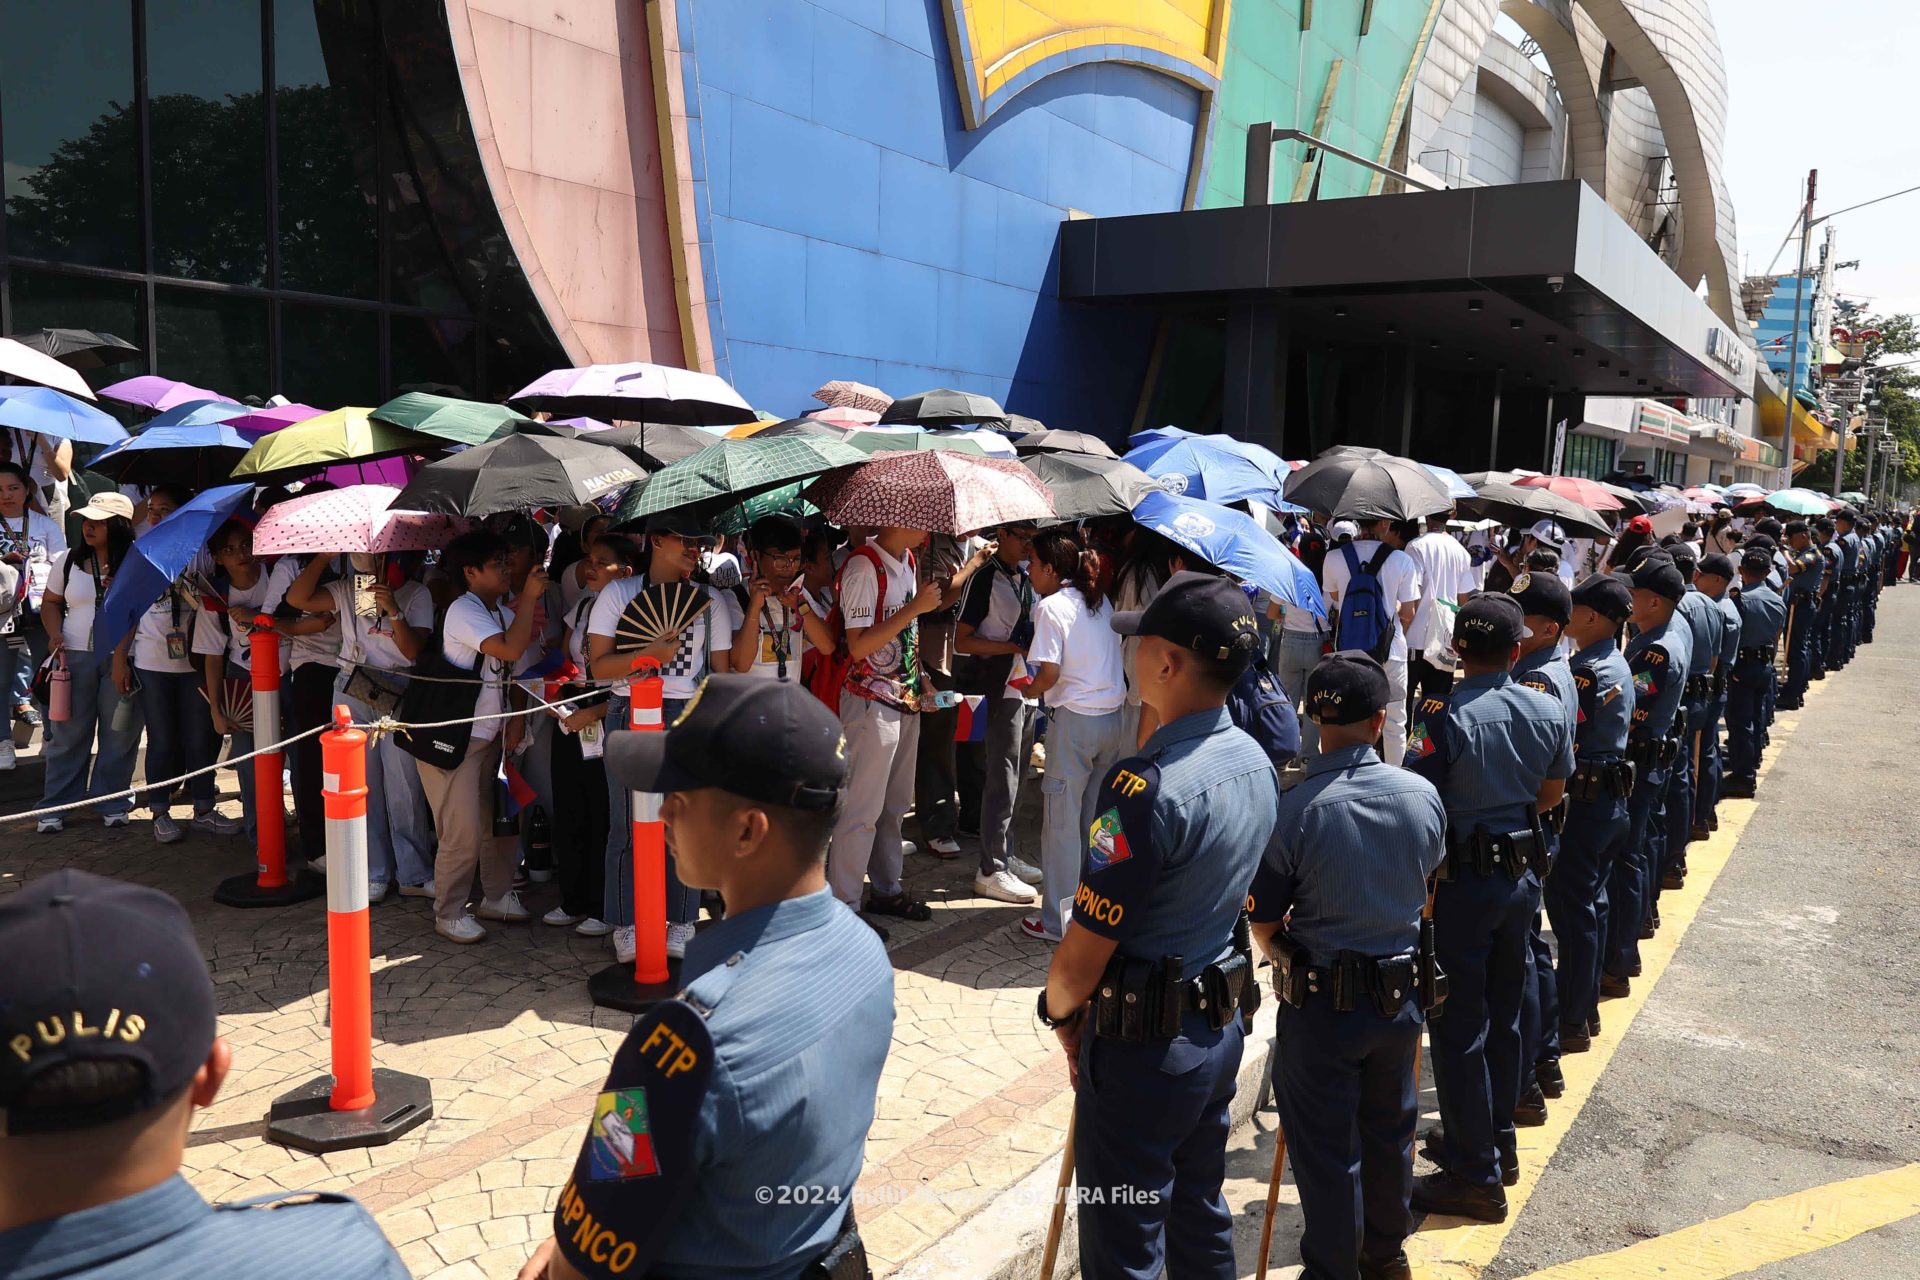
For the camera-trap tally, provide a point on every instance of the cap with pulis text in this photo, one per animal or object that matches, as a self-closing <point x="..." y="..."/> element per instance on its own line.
<point x="1346" y="688"/>
<point x="1489" y="624"/>
<point x="1543" y="595"/>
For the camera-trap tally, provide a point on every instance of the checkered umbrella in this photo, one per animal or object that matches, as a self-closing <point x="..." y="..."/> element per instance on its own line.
<point x="941" y="491"/>
<point x="841" y="394"/>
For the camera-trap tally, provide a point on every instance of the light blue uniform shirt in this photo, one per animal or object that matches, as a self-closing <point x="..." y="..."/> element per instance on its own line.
<point x="1496" y="742"/>
<point x="1729" y="630"/>
<point x="1605" y="687"/>
<point x="1762" y="614"/>
<point x="1705" y="626"/>
<point x="1546" y="671"/>
<point x="1849" y="544"/>
<point x="1659" y="659"/>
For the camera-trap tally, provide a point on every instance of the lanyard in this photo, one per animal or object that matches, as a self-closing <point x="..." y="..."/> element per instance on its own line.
<point x="782" y="641"/>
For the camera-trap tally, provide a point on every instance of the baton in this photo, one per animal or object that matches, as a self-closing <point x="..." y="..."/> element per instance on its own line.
<point x="1273" y="1194"/>
<point x="1059" y="1207"/>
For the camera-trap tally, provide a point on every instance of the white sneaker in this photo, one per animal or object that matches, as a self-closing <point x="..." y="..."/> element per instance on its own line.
<point x="318" y="865"/>
<point x="417" y="890"/>
<point x="559" y="918"/>
<point x="464" y="930"/>
<point x="678" y="936"/>
<point x="113" y="820"/>
<point x="624" y="944"/>
<point x="48" y="825"/>
<point x="505" y="907"/>
<point x="7" y="760"/>
<point x="166" y="830"/>
<point x="1024" y="870"/>
<point x="944" y="847"/>
<point x="908" y="848"/>
<point x="593" y="927"/>
<point x="1001" y="886"/>
<point x="377" y="891"/>
<point x="216" y="822"/>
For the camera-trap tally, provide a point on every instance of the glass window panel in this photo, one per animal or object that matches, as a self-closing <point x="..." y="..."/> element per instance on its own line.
<point x="55" y="300"/>
<point x="212" y="340"/>
<point x="327" y="72"/>
<point x="329" y="355"/>
<point x="432" y="354"/>
<point x="208" y="131"/>
<point x="519" y="346"/>
<point x="72" y="144"/>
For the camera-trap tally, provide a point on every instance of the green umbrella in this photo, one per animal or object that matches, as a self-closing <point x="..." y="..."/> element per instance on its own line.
<point x="461" y="421"/>
<point x="736" y="469"/>
<point x="1797" y="502"/>
<point x="345" y="435"/>
<point x="784" y="501"/>
<point x="880" y="441"/>
<point x="1853" y="496"/>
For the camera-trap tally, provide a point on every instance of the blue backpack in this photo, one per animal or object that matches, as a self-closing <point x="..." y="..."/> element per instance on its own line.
<point x="1366" y="622"/>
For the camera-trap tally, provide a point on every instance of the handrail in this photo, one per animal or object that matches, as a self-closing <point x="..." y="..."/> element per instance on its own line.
<point x="1260" y="140"/>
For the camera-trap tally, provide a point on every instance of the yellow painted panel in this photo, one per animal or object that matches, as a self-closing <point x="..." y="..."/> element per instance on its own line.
<point x="1007" y="37"/>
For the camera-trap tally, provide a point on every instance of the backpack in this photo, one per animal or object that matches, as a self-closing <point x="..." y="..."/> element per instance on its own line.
<point x="1365" y="622"/>
<point x="828" y="676"/>
<point x="1261" y="709"/>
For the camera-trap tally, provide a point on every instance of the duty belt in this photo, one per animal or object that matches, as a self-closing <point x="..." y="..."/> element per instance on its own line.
<point x="1696" y="689"/>
<point x="1485" y="853"/>
<point x="1389" y="983"/>
<point x="1592" y="782"/>
<point x="1756" y="655"/>
<point x="1139" y="1001"/>
<point x="1653" y="753"/>
<point x="845" y="1258"/>
<point x="1720" y="680"/>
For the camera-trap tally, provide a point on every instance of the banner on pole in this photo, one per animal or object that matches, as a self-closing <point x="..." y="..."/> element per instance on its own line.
<point x="1559" y="445"/>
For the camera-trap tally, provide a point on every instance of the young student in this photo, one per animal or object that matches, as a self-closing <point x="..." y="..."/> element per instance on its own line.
<point x="774" y="631"/>
<point x="224" y="644"/>
<point x="994" y="629"/>
<point x="29" y="540"/>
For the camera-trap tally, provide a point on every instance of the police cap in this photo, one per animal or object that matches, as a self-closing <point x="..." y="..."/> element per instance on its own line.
<point x="1608" y="594"/>
<point x="1346" y="688"/>
<point x="1757" y="563"/>
<point x="96" y="970"/>
<point x="1489" y="624"/>
<point x="1660" y="575"/>
<point x="1543" y="595"/>
<point x="1199" y="611"/>
<point x="1848" y="514"/>
<point x="1721" y="566"/>
<point x="1797" y="526"/>
<point x="765" y="740"/>
<point x="1683" y="559"/>
<point x="1824" y="524"/>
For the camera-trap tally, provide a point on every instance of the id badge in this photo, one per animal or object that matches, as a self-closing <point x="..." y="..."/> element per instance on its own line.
<point x="176" y="645"/>
<point x="593" y="743"/>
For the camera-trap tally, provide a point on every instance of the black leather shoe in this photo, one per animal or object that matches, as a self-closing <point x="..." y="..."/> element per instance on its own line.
<point x="1676" y="879"/>
<point x="1784" y="705"/>
<point x="1713" y="822"/>
<point x="1612" y="988"/>
<point x="1442" y="1193"/>
<point x="1593" y="1024"/>
<point x="1648" y="929"/>
<point x="1633" y="970"/>
<point x="1547" y="1074"/>
<point x="1574" y="1038"/>
<point x="1737" y="791"/>
<point x="1395" y="1268"/>
<point x="1701" y="831"/>
<point x="1433" y="1149"/>
<point x="1531" y="1111"/>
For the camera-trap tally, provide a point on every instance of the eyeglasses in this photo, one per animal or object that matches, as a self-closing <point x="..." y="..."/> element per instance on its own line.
<point x="784" y="557"/>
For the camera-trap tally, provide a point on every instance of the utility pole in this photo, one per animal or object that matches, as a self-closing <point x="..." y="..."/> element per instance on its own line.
<point x="1872" y="446"/>
<point x="1793" y="339"/>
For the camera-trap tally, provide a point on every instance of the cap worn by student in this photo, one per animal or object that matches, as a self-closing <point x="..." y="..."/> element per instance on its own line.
<point x="765" y="740"/>
<point x="1640" y="524"/>
<point x="1343" y="529"/>
<point x="1347" y="687"/>
<point x="1608" y="594"/>
<point x="1718" y="565"/>
<point x="1660" y="575"/>
<point x="1548" y="534"/>
<point x="1543" y="595"/>
<point x="1489" y="625"/>
<point x="105" y="506"/>
<point x="1197" y="611"/>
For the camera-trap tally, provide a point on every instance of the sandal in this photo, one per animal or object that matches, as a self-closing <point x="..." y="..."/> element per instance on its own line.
<point x="900" y="906"/>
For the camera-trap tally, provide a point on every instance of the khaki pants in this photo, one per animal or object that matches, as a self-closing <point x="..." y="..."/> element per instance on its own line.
<point x="462" y="804"/>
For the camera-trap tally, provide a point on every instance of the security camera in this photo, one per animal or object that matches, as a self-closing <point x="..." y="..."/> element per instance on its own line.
<point x="1556" y="283"/>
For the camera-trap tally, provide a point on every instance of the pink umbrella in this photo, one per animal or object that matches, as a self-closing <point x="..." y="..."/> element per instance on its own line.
<point x="841" y="394"/>
<point x="939" y="490"/>
<point x="1587" y="493"/>
<point x="159" y="393"/>
<point x="356" y="518"/>
<point x="19" y="360"/>
<point x="263" y="421"/>
<point x="846" y="415"/>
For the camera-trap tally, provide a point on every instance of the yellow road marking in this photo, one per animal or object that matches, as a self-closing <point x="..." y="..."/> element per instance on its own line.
<point x="1458" y="1249"/>
<point x="1764" y="1232"/>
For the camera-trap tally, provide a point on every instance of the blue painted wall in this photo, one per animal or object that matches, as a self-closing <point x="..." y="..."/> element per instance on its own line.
<point x="854" y="229"/>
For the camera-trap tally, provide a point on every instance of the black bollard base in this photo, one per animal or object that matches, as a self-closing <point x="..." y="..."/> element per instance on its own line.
<point x="245" y="890"/>
<point x="303" y="1120"/>
<point x="614" y="988"/>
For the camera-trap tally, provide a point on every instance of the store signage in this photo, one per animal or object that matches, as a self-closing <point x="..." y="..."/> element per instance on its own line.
<point x="1729" y="353"/>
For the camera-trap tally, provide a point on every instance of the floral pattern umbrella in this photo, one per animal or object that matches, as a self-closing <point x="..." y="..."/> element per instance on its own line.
<point x="841" y="394"/>
<point x="357" y="518"/>
<point x="938" y="490"/>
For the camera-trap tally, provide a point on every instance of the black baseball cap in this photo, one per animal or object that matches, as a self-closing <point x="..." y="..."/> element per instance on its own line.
<point x="99" y="969"/>
<point x="1608" y="594"/>
<point x="1848" y="514"/>
<point x="1760" y="540"/>
<point x="1720" y="566"/>
<point x="1544" y="595"/>
<point x="1660" y="575"/>
<point x="1823" y="524"/>
<point x="681" y="524"/>
<point x="1489" y="624"/>
<point x="1683" y="559"/>
<point x="760" y="739"/>
<point x="1758" y="563"/>
<point x="1346" y="688"/>
<point x="1197" y="611"/>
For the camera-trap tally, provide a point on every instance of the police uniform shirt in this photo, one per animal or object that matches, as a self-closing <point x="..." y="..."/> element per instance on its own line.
<point x="1352" y="848"/>
<point x="1729" y="629"/>
<point x="1487" y="748"/>
<point x="1178" y="833"/>
<point x="1706" y="625"/>
<point x="1659" y="659"/>
<point x="1604" y="685"/>
<point x="1781" y="570"/>
<point x="1762" y="614"/>
<point x="1546" y="671"/>
<point x="169" y="1233"/>
<point x="1830" y="553"/>
<point x="1849" y="544"/>
<point x="1808" y="567"/>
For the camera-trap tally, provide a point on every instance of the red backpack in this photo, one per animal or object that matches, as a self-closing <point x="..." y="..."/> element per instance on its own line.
<point x="827" y="674"/>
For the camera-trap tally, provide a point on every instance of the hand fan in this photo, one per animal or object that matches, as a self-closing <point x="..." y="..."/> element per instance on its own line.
<point x="663" y="609"/>
<point x="234" y="701"/>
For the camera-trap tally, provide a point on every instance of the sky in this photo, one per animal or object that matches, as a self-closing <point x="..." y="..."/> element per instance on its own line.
<point x="1827" y="86"/>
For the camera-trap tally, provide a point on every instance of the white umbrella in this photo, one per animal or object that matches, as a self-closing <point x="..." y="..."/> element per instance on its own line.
<point x="23" y="362"/>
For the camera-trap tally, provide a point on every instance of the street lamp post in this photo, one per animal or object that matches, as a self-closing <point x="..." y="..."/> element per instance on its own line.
<point x="1793" y="337"/>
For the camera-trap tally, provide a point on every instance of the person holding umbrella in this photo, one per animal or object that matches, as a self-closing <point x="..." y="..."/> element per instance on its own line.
<point x="29" y="540"/>
<point x="223" y="642"/>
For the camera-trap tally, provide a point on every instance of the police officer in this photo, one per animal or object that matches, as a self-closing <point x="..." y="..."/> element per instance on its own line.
<point x="1144" y="988"/>
<point x="107" y="1048"/>
<point x="1596" y="814"/>
<point x="1762" y="614"/>
<point x="1659" y="657"/>
<point x="1708" y="627"/>
<point x="1831" y="590"/>
<point x="1715" y="578"/>
<point x="1347" y="871"/>
<point x="1874" y="550"/>
<point x="1846" y="618"/>
<point x="729" y="1133"/>
<point x="1499" y="754"/>
<point x="1806" y="571"/>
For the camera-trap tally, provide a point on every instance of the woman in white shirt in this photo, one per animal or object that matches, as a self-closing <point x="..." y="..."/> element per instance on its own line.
<point x="224" y="643"/>
<point x="29" y="540"/>
<point x="86" y="754"/>
<point x="1080" y="675"/>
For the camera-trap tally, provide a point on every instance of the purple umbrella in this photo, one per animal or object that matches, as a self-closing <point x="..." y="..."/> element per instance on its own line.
<point x="159" y="393"/>
<point x="393" y="471"/>
<point x="582" y="425"/>
<point x="637" y="392"/>
<point x="263" y="421"/>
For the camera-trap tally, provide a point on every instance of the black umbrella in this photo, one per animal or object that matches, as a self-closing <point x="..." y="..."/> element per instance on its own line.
<point x="1086" y="487"/>
<point x="1520" y="506"/>
<point x="802" y="427"/>
<point x="1357" y="484"/>
<point x="518" y="472"/>
<point x="1049" y="441"/>
<point x="654" y="444"/>
<point x="80" y="348"/>
<point x="943" y="407"/>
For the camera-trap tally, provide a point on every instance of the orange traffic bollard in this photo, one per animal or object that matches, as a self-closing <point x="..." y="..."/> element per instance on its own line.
<point x="269" y="886"/>
<point x="652" y="977"/>
<point x="356" y="1106"/>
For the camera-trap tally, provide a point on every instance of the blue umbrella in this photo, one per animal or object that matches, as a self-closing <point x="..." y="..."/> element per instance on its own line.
<point x="1202" y="467"/>
<point x="1451" y="482"/>
<point x="195" y="413"/>
<point x="193" y="456"/>
<point x="160" y="555"/>
<point x="54" y="413"/>
<point x="1233" y="541"/>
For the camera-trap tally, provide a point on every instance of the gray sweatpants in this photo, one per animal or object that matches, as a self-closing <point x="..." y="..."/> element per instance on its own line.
<point x="1004" y="763"/>
<point x="882" y="746"/>
<point x="1081" y="751"/>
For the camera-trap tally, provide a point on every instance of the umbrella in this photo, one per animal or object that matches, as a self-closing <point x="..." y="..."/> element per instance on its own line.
<point x="842" y="416"/>
<point x="1652" y="502"/>
<point x="1630" y="499"/>
<point x="1048" y="441"/>
<point x="54" y="413"/>
<point x="1588" y="493"/>
<point x="1201" y="467"/>
<point x="938" y="490"/>
<point x="943" y="407"/>
<point x="21" y="361"/>
<point x="991" y="443"/>
<point x="579" y="426"/>
<point x="888" y="439"/>
<point x="841" y="394"/>
<point x="393" y="472"/>
<point x="460" y="421"/>
<point x="1019" y="424"/>
<point x="192" y="456"/>
<point x="1455" y="486"/>
<point x="637" y="392"/>
<point x="655" y="445"/>
<point x="154" y="392"/>
<point x="264" y="421"/>
<point x="344" y="435"/>
<point x="80" y="348"/>
<point x="736" y="469"/>
<point x="1234" y="541"/>
<point x="1853" y="496"/>
<point x="1746" y="487"/>
<point x="519" y="472"/>
<point x="785" y="501"/>
<point x="1798" y="502"/>
<point x="1356" y="485"/>
<point x="1518" y="506"/>
<point x="160" y="555"/>
<point x="1086" y="486"/>
<point x="808" y="427"/>
<point x="192" y="413"/>
<point x="358" y="518"/>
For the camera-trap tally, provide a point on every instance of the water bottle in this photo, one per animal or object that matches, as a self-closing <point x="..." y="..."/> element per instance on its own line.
<point x="123" y="714"/>
<point x="539" y="847"/>
<point x="60" y="692"/>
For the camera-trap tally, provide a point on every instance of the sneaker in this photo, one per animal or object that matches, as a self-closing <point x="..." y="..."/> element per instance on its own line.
<point x="7" y="755"/>
<point x="464" y="930"/>
<point x="505" y="907"/>
<point x="593" y="927"/>
<point x="426" y="890"/>
<point x="48" y="825"/>
<point x="1024" y="870"/>
<point x="624" y="944"/>
<point x="166" y="830"/>
<point x="112" y="820"/>
<point x="1032" y="927"/>
<point x="908" y="848"/>
<point x="678" y="936"/>
<point x="943" y="847"/>
<point x="559" y="918"/>
<point x="1002" y="886"/>
<point x="318" y="865"/>
<point x="217" y="823"/>
<point x="377" y="891"/>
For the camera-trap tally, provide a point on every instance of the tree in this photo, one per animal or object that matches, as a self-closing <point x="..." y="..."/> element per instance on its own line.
<point x="1897" y="386"/>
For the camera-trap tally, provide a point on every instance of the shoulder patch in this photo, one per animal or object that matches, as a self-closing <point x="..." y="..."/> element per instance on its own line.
<point x="1107" y="842"/>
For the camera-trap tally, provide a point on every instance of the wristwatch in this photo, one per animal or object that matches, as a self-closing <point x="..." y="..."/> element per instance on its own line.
<point x="1046" y="1019"/>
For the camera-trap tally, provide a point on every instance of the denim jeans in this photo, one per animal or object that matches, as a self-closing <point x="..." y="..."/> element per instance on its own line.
<point x="683" y="904"/>
<point x="35" y="636"/>
<point x="1300" y="654"/>
<point x="77" y="768"/>
<point x="179" y="737"/>
<point x="400" y="841"/>
<point x="1081" y="749"/>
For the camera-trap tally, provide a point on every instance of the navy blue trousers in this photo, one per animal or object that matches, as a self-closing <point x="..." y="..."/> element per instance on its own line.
<point x="1576" y="901"/>
<point x="1539" y="1006"/>
<point x="1706" y="792"/>
<point x="1746" y="722"/>
<point x="1344" y="1085"/>
<point x="1823" y="633"/>
<point x="1627" y="883"/>
<point x="1677" y="818"/>
<point x="1801" y="616"/>
<point x="1480" y="926"/>
<point x="1150" y="1143"/>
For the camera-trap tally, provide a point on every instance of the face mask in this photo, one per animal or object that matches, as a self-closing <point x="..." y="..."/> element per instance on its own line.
<point x="364" y="563"/>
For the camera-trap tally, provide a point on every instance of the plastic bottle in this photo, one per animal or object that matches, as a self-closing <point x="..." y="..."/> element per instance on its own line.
<point x="539" y="847"/>
<point x="60" y="692"/>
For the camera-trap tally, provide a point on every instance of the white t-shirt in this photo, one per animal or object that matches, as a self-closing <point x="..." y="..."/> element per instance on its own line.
<point x="370" y="640"/>
<point x="572" y="589"/>
<point x="321" y="646"/>
<point x="213" y="633"/>
<point x="860" y="605"/>
<point x="779" y="622"/>
<point x="1399" y="584"/>
<point x="24" y="448"/>
<point x="40" y="540"/>
<point x="1083" y="643"/>
<point x="468" y="624"/>
<point x="694" y="659"/>
<point x="1446" y="574"/>
<point x="76" y="585"/>
<point x="992" y="603"/>
<point x="175" y="610"/>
